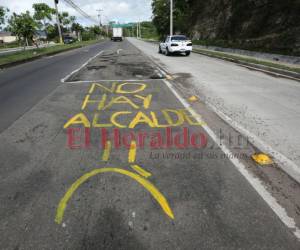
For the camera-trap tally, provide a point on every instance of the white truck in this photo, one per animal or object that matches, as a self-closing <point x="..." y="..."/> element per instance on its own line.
<point x="176" y="44"/>
<point x="117" y="34"/>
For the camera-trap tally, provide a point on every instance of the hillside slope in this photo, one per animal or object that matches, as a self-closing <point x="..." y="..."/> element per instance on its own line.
<point x="265" y="25"/>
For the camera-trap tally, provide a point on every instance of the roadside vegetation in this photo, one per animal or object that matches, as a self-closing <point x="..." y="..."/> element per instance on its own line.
<point x="260" y="25"/>
<point x="28" y="55"/>
<point x="26" y="26"/>
<point x="148" y="31"/>
<point x="40" y="27"/>
<point x="242" y="59"/>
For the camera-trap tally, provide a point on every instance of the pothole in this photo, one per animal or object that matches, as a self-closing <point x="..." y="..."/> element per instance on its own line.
<point x="94" y="67"/>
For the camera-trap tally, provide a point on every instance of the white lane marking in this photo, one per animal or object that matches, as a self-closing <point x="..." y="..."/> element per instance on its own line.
<point x="118" y="51"/>
<point x="255" y="182"/>
<point x="287" y="165"/>
<point x="284" y="163"/>
<point x="83" y="65"/>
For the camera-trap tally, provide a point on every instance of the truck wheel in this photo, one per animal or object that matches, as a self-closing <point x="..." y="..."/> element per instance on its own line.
<point x="159" y="50"/>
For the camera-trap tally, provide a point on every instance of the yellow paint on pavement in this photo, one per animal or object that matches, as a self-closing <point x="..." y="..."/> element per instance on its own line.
<point x="132" y="152"/>
<point x="78" y="119"/>
<point x="157" y="195"/>
<point x="106" y="153"/>
<point x="141" y="171"/>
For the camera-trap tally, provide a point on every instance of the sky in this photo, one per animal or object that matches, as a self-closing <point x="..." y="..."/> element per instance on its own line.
<point x="122" y="11"/>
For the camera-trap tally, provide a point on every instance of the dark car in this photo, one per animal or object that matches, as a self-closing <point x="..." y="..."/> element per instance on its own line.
<point x="69" y="39"/>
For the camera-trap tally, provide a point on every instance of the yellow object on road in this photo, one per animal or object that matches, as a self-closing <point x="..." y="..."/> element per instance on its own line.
<point x="193" y="98"/>
<point x="262" y="159"/>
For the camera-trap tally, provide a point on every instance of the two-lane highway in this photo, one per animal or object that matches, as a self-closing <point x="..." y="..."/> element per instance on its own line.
<point x="113" y="159"/>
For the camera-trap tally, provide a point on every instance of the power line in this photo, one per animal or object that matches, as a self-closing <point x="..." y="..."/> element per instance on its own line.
<point x="99" y="16"/>
<point x="80" y="11"/>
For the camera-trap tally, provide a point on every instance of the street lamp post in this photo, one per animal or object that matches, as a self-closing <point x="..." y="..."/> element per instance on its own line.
<point x="171" y="17"/>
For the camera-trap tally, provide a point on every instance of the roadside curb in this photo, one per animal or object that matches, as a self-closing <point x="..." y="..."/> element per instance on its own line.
<point x="283" y="162"/>
<point x="266" y="69"/>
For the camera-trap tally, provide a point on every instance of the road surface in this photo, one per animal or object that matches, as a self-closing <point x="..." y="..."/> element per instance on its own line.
<point x="262" y="106"/>
<point x="113" y="159"/>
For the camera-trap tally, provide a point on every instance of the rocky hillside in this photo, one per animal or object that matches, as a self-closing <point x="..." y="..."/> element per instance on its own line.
<point x="265" y="25"/>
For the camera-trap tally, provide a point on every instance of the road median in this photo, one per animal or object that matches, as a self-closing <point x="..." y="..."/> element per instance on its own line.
<point x="26" y="56"/>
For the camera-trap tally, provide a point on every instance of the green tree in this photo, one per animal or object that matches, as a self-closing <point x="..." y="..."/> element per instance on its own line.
<point x="149" y="30"/>
<point x="64" y="18"/>
<point x="72" y="19"/>
<point x="183" y="12"/>
<point x="3" y="12"/>
<point x="91" y="33"/>
<point x="52" y="32"/>
<point x="77" y="28"/>
<point x="43" y="13"/>
<point x="161" y="17"/>
<point x="23" y="26"/>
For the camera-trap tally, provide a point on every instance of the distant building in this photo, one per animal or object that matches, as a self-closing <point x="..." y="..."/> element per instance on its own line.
<point x="7" y="37"/>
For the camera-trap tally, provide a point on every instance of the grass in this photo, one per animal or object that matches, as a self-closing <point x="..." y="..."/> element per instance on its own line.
<point x="244" y="46"/>
<point x="151" y="39"/>
<point x="10" y="45"/>
<point x="247" y="60"/>
<point x="23" y="56"/>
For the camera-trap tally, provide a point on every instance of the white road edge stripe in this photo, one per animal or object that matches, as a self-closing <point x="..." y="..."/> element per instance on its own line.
<point x="287" y="165"/>
<point x="255" y="182"/>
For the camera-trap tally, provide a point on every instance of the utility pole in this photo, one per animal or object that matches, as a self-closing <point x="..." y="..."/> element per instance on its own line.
<point x="137" y="30"/>
<point x="58" y="22"/>
<point x="171" y="17"/>
<point x="99" y="17"/>
<point x="140" y="28"/>
<point x="107" y="25"/>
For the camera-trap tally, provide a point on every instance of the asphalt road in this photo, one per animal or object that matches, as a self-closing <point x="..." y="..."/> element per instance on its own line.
<point x="264" y="107"/>
<point x="21" y="87"/>
<point x="59" y="191"/>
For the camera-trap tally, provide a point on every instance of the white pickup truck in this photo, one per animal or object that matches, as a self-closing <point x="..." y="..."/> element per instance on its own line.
<point x="176" y="44"/>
